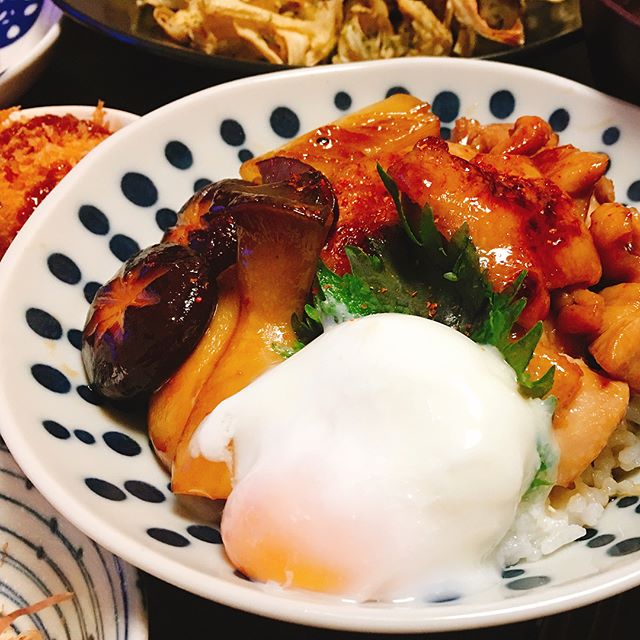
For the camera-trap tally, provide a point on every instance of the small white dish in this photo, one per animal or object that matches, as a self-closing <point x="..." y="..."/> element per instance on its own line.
<point x="97" y="466"/>
<point x="114" y="118"/>
<point x="28" y="31"/>
<point x="43" y="555"/>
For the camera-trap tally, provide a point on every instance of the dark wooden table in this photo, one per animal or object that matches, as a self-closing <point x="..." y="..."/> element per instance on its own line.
<point x="87" y="66"/>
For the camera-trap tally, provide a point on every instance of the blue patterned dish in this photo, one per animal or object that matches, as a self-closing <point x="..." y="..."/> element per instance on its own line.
<point x="97" y="466"/>
<point x="44" y="555"/>
<point x="28" y="30"/>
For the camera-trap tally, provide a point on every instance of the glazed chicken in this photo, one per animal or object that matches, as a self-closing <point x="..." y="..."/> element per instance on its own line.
<point x="589" y="405"/>
<point x="528" y="202"/>
<point x="616" y="233"/>
<point x="515" y="223"/>
<point x="616" y="346"/>
<point x="347" y="152"/>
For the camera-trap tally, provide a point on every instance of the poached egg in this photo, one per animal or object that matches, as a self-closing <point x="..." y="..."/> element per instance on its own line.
<point x="384" y="461"/>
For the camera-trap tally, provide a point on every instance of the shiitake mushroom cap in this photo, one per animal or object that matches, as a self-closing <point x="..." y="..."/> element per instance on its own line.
<point x="146" y="320"/>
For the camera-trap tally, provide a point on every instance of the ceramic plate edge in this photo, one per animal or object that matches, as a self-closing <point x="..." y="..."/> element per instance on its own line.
<point x="36" y="51"/>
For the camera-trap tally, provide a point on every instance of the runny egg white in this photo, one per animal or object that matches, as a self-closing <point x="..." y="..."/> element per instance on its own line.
<point x="383" y="461"/>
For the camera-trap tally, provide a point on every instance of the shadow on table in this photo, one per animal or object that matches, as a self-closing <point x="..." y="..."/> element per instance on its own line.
<point x="87" y="66"/>
<point x="177" y="615"/>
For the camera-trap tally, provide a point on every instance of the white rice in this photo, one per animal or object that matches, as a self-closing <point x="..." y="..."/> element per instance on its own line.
<point x="614" y="473"/>
<point x="547" y="521"/>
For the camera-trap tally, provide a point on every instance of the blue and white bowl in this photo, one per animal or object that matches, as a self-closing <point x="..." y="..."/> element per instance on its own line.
<point x="44" y="555"/>
<point x="97" y="467"/>
<point x="28" y="31"/>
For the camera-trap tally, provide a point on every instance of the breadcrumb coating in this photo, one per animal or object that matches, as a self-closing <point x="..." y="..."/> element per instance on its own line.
<point x="35" y="154"/>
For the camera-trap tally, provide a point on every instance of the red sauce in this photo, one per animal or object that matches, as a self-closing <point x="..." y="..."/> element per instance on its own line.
<point x="58" y="125"/>
<point x="34" y="156"/>
<point x="37" y="193"/>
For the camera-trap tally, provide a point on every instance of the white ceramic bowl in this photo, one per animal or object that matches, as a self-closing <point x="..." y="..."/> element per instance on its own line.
<point x="28" y="31"/>
<point x="44" y="555"/>
<point x="98" y="468"/>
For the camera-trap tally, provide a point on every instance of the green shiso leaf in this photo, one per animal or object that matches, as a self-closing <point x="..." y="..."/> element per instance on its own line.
<point x="417" y="271"/>
<point x="547" y="469"/>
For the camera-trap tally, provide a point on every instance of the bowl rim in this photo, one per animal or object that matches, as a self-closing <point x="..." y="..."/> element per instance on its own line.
<point x="37" y="50"/>
<point x="80" y="111"/>
<point x="265" y="603"/>
<point x="622" y="12"/>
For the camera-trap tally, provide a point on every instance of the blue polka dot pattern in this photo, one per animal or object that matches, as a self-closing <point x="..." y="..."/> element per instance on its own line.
<point x="121" y="443"/>
<point x="284" y="122"/>
<point x="74" y="336"/>
<point x="342" y="100"/>
<point x="445" y="133"/>
<point x="16" y="18"/>
<point x="105" y="489"/>
<point x="88" y="395"/>
<point x="51" y="378"/>
<point x="232" y="133"/>
<point x="123" y="247"/>
<point x="201" y="183"/>
<point x="502" y="104"/>
<point x="56" y="429"/>
<point x="601" y="541"/>
<point x="84" y="436"/>
<point x="625" y="547"/>
<point x="393" y="90"/>
<point x="244" y="155"/>
<point x="611" y="135"/>
<point x="166" y="218"/>
<point x="64" y="268"/>
<point x="93" y="219"/>
<point x="168" y="537"/>
<point x="531" y="582"/>
<point x="446" y="105"/>
<point x="139" y="189"/>
<point x="43" y="323"/>
<point x="144" y="491"/>
<point x="447" y="597"/>
<point x="178" y="154"/>
<point x="588" y="534"/>
<point x="633" y="192"/>
<point x="627" y="501"/>
<point x="89" y="290"/>
<point x="512" y="573"/>
<point x="205" y="533"/>
<point x="559" y="120"/>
